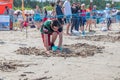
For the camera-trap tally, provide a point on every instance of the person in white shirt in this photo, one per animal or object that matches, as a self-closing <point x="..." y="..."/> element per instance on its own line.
<point x="68" y="13"/>
<point x="108" y="15"/>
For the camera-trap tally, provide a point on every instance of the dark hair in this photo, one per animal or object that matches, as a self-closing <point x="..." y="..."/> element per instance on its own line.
<point x="56" y="23"/>
<point x="52" y="4"/>
<point x="58" y="1"/>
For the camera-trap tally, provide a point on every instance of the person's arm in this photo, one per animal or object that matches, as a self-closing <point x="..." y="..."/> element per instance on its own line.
<point x="63" y="7"/>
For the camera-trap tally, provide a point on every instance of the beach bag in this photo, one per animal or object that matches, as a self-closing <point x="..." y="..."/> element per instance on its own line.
<point x="37" y="17"/>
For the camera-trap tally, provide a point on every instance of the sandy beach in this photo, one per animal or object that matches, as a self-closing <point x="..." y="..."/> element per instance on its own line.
<point x="103" y="64"/>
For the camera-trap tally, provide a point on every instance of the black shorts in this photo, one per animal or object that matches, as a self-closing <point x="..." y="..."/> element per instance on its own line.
<point x="60" y="29"/>
<point x="109" y="22"/>
<point x="60" y="21"/>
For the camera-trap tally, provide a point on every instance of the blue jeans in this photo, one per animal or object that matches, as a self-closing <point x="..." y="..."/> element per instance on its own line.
<point x="77" y="23"/>
<point x="74" y="22"/>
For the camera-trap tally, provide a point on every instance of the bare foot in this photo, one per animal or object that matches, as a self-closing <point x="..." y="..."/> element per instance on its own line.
<point x="67" y="34"/>
<point x="47" y="52"/>
<point x="58" y="52"/>
<point x="109" y="29"/>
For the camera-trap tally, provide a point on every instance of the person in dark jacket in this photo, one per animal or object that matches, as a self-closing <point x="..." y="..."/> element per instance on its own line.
<point x="74" y="17"/>
<point x="59" y="12"/>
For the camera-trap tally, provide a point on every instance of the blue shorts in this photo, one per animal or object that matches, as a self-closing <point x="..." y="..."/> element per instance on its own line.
<point x="68" y="19"/>
<point x="83" y="21"/>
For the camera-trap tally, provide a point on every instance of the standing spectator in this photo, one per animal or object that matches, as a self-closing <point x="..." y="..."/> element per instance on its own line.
<point x="9" y="12"/>
<point x="18" y="21"/>
<point x="79" y="16"/>
<point x="53" y="11"/>
<point x="37" y="17"/>
<point x="74" y="17"/>
<point x="45" y="14"/>
<point x="67" y="13"/>
<point x="30" y="20"/>
<point x="83" y="18"/>
<point x="108" y="15"/>
<point x="59" y="12"/>
<point x="94" y="15"/>
<point x="88" y="18"/>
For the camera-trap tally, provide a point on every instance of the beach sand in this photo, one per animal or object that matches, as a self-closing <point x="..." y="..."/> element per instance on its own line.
<point x="100" y="66"/>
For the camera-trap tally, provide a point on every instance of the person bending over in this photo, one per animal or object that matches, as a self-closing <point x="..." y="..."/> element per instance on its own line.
<point x="51" y="28"/>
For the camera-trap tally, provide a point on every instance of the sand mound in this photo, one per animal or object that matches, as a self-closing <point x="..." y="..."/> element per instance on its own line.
<point x="105" y="38"/>
<point x="113" y="33"/>
<point x="73" y="50"/>
<point x="8" y="66"/>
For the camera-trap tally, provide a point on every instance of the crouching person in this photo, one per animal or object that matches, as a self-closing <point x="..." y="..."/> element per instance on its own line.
<point x="49" y="31"/>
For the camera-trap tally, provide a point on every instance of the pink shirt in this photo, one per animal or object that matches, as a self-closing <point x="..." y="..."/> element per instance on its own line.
<point x="83" y="12"/>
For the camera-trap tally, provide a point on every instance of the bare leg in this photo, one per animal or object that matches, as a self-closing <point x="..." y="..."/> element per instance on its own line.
<point x="90" y="27"/>
<point x="67" y="30"/>
<point x="54" y="37"/>
<point x="94" y="22"/>
<point x="46" y="42"/>
<point x="86" y="25"/>
<point x="21" y="25"/>
<point x="60" y="39"/>
<point x="38" y="24"/>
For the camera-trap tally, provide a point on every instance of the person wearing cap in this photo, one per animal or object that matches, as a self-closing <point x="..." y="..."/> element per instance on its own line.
<point x="18" y="20"/>
<point x="108" y="15"/>
<point x="83" y="18"/>
<point x="51" y="28"/>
